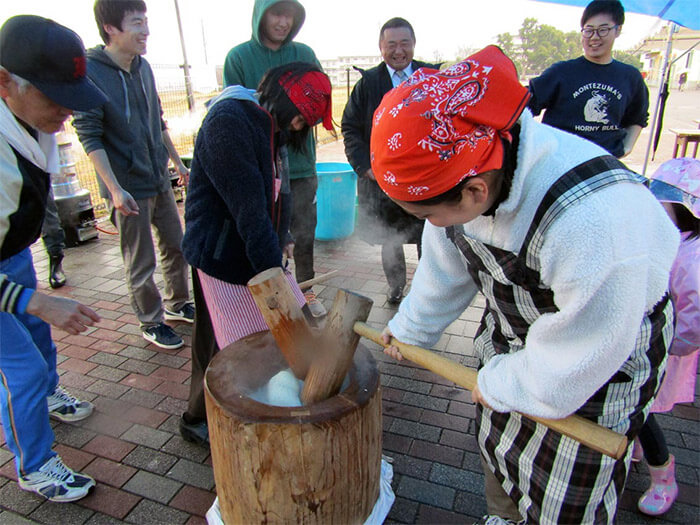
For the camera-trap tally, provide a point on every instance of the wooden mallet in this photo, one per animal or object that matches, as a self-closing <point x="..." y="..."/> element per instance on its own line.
<point x="339" y="342"/>
<point x="582" y="430"/>
<point x="323" y="359"/>
<point x="278" y="306"/>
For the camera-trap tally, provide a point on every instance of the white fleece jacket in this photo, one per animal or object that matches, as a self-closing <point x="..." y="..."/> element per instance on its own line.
<point x="607" y="260"/>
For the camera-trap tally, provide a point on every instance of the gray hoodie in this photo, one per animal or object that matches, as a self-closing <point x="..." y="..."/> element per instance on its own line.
<point x="129" y="126"/>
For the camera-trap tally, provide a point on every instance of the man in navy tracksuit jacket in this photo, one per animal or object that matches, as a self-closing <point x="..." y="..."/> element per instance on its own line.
<point x="42" y="80"/>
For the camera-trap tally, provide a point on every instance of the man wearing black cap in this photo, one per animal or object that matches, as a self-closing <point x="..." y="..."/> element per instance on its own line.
<point x="42" y="81"/>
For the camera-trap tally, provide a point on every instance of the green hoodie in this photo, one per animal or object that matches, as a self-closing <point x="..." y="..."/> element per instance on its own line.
<point x="246" y="64"/>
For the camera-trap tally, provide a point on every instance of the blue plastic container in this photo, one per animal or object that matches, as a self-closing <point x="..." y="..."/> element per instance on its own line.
<point x="335" y="200"/>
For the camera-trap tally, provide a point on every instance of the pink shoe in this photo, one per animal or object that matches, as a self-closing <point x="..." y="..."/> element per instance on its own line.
<point x="637" y="451"/>
<point x="663" y="489"/>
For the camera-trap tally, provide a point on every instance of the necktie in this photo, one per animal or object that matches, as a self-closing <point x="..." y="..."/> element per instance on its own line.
<point x="399" y="76"/>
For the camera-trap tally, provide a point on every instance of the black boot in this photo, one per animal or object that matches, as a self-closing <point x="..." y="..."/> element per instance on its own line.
<point x="56" y="276"/>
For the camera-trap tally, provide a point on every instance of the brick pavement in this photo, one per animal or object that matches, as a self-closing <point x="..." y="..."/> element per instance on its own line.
<point x="147" y="474"/>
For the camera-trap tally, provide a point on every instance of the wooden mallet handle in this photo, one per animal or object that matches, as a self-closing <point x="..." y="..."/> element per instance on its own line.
<point x="582" y="430"/>
<point x="317" y="280"/>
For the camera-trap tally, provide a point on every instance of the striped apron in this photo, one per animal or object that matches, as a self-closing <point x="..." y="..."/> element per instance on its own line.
<point x="552" y="478"/>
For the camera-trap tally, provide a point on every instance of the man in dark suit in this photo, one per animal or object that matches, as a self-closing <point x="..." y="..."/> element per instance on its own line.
<point x="380" y="220"/>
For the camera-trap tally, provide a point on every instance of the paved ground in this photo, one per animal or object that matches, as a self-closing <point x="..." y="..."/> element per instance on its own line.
<point x="147" y="474"/>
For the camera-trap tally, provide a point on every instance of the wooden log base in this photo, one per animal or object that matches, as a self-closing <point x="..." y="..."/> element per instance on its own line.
<point x="314" y="464"/>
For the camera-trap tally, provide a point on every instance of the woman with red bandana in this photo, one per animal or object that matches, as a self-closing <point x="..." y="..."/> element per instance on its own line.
<point x="572" y="254"/>
<point x="237" y="212"/>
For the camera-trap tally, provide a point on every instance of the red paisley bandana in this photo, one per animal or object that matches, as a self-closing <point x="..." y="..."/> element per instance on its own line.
<point x="440" y="127"/>
<point x="311" y="94"/>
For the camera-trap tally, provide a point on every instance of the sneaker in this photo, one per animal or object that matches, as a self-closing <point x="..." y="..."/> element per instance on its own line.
<point x="65" y="407"/>
<point x="163" y="336"/>
<point x="497" y="520"/>
<point x="315" y="306"/>
<point x="56" y="482"/>
<point x="185" y="313"/>
<point x="195" y="432"/>
<point x="394" y="295"/>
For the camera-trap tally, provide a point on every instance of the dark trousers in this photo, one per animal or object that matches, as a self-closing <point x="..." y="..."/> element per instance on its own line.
<point x="204" y="348"/>
<point x="303" y="227"/>
<point x="52" y="234"/>
<point x="394" y="262"/>
<point x="653" y="442"/>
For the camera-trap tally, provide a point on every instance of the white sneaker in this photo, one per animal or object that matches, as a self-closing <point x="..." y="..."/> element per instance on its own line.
<point x="56" y="482"/>
<point x="185" y="313"/>
<point x="65" y="407"/>
<point x="492" y="519"/>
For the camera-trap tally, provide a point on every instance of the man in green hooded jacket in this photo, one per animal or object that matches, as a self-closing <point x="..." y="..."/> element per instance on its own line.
<point x="275" y="24"/>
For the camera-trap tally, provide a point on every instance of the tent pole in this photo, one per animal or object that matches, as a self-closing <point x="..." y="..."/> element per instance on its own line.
<point x="672" y="28"/>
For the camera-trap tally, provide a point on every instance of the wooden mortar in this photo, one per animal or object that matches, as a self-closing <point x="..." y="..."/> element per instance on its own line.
<point x="313" y="464"/>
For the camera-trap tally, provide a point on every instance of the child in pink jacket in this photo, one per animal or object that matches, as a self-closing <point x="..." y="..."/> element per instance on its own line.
<point x="677" y="185"/>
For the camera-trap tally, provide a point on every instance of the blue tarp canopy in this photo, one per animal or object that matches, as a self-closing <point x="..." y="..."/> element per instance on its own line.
<point x="682" y="12"/>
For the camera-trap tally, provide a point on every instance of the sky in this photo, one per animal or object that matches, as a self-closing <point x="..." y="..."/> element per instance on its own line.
<point x="332" y="28"/>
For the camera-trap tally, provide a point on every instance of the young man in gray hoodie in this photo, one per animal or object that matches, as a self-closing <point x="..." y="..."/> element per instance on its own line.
<point x="129" y="145"/>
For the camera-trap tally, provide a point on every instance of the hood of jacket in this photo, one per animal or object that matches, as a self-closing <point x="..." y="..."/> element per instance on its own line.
<point x="261" y="6"/>
<point x="235" y="92"/>
<point x="128" y="126"/>
<point x="99" y="54"/>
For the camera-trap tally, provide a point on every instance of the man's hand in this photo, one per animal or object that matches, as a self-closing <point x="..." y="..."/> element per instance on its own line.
<point x="370" y="174"/>
<point x="124" y="202"/>
<point x="478" y="398"/>
<point x="390" y="350"/>
<point x="63" y="313"/>
<point x="287" y="253"/>
<point x="184" y="174"/>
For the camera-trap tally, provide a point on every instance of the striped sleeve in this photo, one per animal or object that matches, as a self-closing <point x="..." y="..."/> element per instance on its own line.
<point x="13" y="296"/>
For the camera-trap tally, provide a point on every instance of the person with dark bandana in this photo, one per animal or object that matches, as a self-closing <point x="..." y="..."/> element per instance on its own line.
<point x="237" y="214"/>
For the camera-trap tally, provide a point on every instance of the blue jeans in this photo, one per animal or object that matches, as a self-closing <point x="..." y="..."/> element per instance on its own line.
<point x="27" y="375"/>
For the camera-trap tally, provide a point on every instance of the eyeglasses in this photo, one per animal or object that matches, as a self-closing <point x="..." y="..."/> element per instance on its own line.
<point x="602" y="31"/>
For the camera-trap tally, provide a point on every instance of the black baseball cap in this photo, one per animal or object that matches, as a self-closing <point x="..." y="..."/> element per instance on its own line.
<point x="52" y="58"/>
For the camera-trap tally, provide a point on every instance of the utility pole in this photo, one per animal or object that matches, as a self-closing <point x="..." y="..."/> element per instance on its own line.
<point x="347" y="81"/>
<point x="204" y="41"/>
<point x="185" y="66"/>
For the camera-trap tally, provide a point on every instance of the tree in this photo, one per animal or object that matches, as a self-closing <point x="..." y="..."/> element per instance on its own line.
<point x="511" y="49"/>
<point x="628" y="58"/>
<point x="539" y="46"/>
<point x="542" y="45"/>
<point x="464" y="51"/>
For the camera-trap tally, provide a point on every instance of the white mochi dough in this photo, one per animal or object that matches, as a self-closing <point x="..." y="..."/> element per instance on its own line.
<point x="282" y="390"/>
